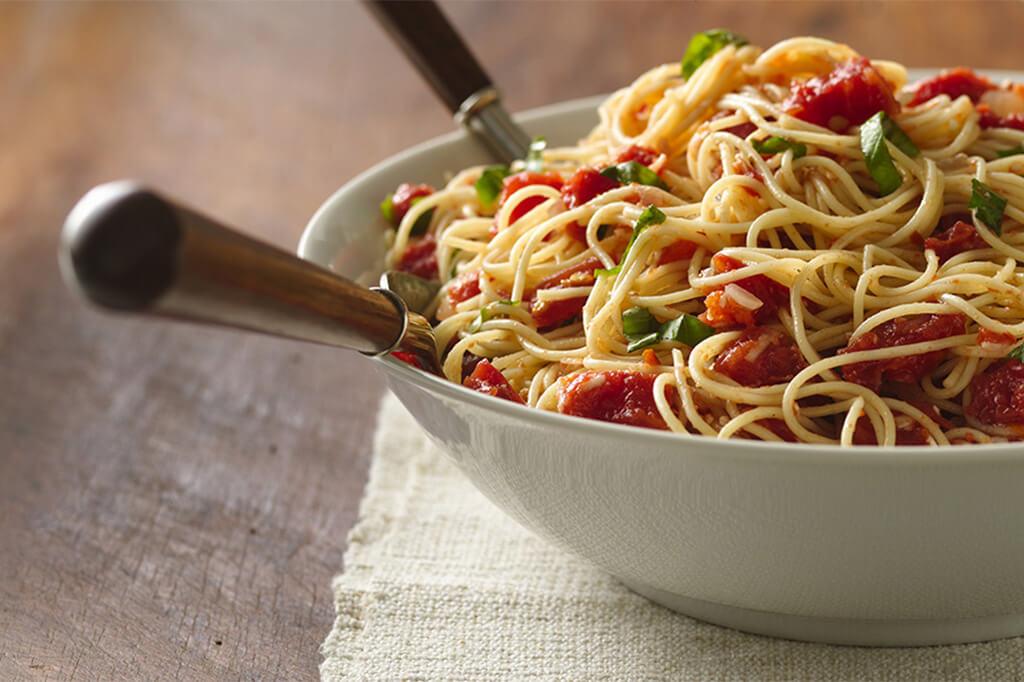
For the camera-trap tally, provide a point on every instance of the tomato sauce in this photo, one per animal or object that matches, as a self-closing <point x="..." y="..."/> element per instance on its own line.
<point x="761" y="356"/>
<point x="486" y="378"/>
<point x="851" y="94"/>
<point x="615" y="396"/>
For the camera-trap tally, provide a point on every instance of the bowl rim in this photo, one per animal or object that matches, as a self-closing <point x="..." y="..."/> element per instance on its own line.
<point x="780" y="451"/>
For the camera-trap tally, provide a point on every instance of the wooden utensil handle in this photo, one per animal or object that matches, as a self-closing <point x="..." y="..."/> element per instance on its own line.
<point x="127" y="248"/>
<point x="434" y="47"/>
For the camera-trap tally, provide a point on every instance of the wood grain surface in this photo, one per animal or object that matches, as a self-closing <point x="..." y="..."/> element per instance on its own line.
<point x="173" y="500"/>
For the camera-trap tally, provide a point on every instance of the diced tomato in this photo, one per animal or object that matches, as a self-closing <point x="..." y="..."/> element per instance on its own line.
<point x="577" y="232"/>
<point x="407" y="358"/>
<point x="645" y="156"/>
<point x="676" y="251"/>
<point x="851" y="94"/>
<point x="584" y="185"/>
<point x="614" y="396"/>
<point x="514" y="183"/>
<point x="997" y="395"/>
<point x="487" y="379"/>
<point x="420" y="258"/>
<point x="901" y="332"/>
<point x="401" y="200"/>
<point x="959" y="238"/>
<point x="464" y="288"/>
<point x="993" y="339"/>
<point x="954" y="83"/>
<point x="650" y="357"/>
<point x="989" y="119"/>
<point x="761" y="356"/>
<point x="549" y="314"/>
<point x="780" y="429"/>
<point x="908" y="432"/>
<point x="740" y="129"/>
<point x="722" y="312"/>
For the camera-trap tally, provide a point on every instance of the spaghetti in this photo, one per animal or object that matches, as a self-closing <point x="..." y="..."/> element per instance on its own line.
<point x="783" y="244"/>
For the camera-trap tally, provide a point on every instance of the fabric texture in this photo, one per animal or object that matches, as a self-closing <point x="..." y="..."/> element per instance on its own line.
<point x="440" y="585"/>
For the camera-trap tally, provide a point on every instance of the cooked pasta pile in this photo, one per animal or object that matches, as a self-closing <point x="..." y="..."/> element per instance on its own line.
<point x="779" y="244"/>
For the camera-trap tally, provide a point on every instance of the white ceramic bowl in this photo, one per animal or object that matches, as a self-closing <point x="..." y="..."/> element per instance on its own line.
<point x="876" y="546"/>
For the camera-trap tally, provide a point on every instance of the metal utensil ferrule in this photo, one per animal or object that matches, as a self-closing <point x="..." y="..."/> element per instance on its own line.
<point x="483" y="115"/>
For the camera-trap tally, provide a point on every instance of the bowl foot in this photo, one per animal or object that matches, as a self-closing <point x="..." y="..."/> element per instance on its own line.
<point x="888" y="633"/>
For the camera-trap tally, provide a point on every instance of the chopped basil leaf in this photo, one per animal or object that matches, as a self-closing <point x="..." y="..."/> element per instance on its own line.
<point x="1012" y="151"/>
<point x="876" y="155"/>
<point x="652" y="215"/>
<point x="640" y="342"/>
<point x="988" y="206"/>
<point x="535" y="157"/>
<point x="896" y="135"/>
<point x="489" y="185"/>
<point x="422" y="223"/>
<point x="455" y="263"/>
<point x="1017" y="353"/>
<point x="778" y="145"/>
<point x="387" y="208"/>
<point x="638" y="321"/>
<point x="687" y="329"/>
<point x="642" y="329"/>
<point x="703" y="45"/>
<point x="631" y="171"/>
<point x="505" y="301"/>
<point x="481" y="317"/>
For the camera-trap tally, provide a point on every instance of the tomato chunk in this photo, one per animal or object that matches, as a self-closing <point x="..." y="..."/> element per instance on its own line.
<point x="407" y="358"/>
<point x="614" y="396"/>
<point x="740" y="129"/>
<point x="549" y="314"/>
<point x="991" y="339"/>
<point x="677" y="251"/>
<point x="402" y="199"/>
<point x="901" y="332"/>
<point x="514" y="183"/>
<point x="997" y="395"/>
<point x="487" y="379"/>
<point x="584" y="185"/>
<point x="645" y="156"/>
<point x="851" y="94"/>
<point x="780" y="429"/>
<point x="908" y="432"/>
<point x="762" y="356"/>
<point x="465" y="287"/>
<point x="420" y="258"/>
<point x="954" y="83"/>
<point x="990" y="119"/>
<point x="723" y="311"/>
<point x="962" y="236"/>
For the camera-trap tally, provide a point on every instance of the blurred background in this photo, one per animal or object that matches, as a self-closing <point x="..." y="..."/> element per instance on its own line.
<point x="174" y="501"/>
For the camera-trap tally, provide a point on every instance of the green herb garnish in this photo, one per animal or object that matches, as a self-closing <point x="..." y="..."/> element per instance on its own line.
<point x="1017" y="353"/>
<point x="651" y="215"/>
<point x="876" y="154"/>
<point x="481" y="317"/>
<point x="703" y="45"/>
<point x="642" y="329"/>
<point x="535" y="157"/>
<point x="387" y="208"/>
<point x="687" y="329"/>
<point x="489" y="185"/>
<point x="631" y="171"/>
<point x="988" y="206"/>
<point x="778" y="145"/>
<point x="1012" y="151"/>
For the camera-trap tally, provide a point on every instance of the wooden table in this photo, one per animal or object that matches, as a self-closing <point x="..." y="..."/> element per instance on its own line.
<point x="173" y="500"/>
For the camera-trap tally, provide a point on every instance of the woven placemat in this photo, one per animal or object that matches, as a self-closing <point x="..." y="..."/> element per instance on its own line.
<point x="441" y="585"/>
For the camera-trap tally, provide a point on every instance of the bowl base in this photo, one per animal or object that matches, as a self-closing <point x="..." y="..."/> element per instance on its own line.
<point x="850" y="632"/>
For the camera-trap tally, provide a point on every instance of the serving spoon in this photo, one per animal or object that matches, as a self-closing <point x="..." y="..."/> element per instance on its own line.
<point x="127" y="248"/>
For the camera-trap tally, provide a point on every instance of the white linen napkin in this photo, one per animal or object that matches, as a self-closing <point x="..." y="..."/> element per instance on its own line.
<point x="440" y="585"/>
